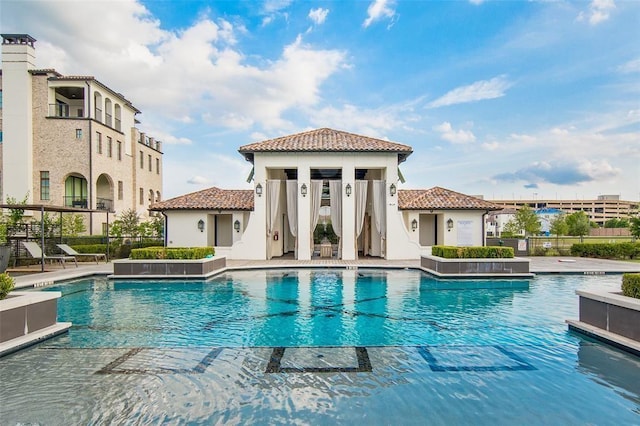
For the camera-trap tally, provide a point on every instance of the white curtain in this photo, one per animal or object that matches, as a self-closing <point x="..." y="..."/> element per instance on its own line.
<point x="292" y="212"/>
<point x="292" y="206"/>
<point x="379" y="212"/>
<point x="316" y="200"/>
<point x="273" y="201"/>
<point x="335" y="197"/>
<point x="361" y="206"/>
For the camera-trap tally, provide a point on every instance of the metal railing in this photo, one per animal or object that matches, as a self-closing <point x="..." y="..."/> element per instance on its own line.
<point x="104" y="204"/>
<point x="76" y="201"/>
<point x="65" y="111"/>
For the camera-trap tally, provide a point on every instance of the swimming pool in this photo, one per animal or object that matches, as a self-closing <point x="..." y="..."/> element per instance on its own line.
<point x="322" y="346"/>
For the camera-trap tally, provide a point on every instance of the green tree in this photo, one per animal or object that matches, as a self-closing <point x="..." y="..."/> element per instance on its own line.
<point x="559" y="226"/>
<point x="634" y="226"/>
<point x="73" y="225"/>
<point x="128" y="224"/>
<point x="578" y="224"/>
<point x="525" y="221"/>
<point x="616" y="223"/>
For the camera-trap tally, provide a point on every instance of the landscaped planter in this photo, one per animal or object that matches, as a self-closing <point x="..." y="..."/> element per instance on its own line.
<point x="168" y="268"/>
<point x="475" y="267"/>
<point x="610" y="317"/>
<point x="27" y="318"/>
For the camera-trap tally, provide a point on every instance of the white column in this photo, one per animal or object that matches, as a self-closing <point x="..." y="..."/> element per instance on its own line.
<point x="348" y="212"/>
<point x="17" y="159"/>
<point x="304" y="214"/>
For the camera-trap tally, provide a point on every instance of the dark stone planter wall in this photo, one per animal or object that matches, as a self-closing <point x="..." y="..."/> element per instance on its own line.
<point x="475" y="266"/>
<point x="169" y="268"/>
<point x="31" y="317"/>
<point x="610" y="317"/>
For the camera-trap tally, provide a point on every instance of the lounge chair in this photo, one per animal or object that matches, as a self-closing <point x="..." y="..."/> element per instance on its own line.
<point x="71" y="252"/>
<point x="36" y="252"/>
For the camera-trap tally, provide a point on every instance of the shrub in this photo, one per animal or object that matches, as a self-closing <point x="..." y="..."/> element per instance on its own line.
<point x="624" y="250"/>
<point x="631" y="285"/>
<point x="6" y="284"/>
<point x="451" y="252"/>
<point x="172" y="253"/>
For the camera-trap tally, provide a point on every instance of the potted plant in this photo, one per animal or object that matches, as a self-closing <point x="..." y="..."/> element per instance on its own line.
<point x="6" y="284"/>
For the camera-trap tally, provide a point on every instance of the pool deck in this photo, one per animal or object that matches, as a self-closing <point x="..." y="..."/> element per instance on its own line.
<point x="33" y="277"/>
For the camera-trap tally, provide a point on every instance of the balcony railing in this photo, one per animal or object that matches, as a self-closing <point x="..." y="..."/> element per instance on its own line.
<point x="75" y="201"/>
<point x="104" y="204"/>
<point x="65" y="111"/>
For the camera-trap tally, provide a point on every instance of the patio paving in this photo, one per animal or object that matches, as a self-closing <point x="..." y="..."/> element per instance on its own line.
<point x="32" y="276"/>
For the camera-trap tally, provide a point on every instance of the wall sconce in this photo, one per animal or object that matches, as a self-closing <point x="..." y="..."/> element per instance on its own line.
<point x="392" y="189"/>
<point x="348" y="190"/>
<point x="236" y="225"/>
<point x="201" y="225"/>
<point x="449" y="224"/>
<point x="414" y="225"/>
<point x="259" y="190"/>
<point x="303" y="189"/>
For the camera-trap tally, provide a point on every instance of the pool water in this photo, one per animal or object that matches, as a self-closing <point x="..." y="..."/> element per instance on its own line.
<point x="322" y="346"/>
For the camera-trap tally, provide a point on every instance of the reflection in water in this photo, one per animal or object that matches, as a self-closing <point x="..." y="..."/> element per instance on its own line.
<point x="611" y="367"/>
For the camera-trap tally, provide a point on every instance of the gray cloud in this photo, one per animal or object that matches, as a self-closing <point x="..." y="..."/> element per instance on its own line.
<point x="560" y="173"/>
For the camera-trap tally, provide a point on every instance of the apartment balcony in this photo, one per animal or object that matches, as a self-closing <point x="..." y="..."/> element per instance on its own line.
<point x="65" y="111"/>
<point x="104" y="204"/>
<point x="75" y="201"/>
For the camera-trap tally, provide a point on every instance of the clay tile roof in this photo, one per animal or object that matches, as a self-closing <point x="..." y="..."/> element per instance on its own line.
<point x="209" y="199"/>
<point x="440" y="198"/>
<point x="325" y="140"/>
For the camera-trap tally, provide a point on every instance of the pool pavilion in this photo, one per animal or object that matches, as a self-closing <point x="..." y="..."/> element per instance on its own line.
<point x="309" y="179"/>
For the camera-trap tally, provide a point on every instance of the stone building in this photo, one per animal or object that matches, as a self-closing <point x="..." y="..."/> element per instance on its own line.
<point x="71" y="140"/>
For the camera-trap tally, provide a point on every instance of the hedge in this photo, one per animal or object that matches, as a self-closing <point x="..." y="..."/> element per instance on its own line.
<point x="631" y="285"/>
<point x="172" y="253"/>
<point x="625" y="250"/>
<point x="451" y="252"/>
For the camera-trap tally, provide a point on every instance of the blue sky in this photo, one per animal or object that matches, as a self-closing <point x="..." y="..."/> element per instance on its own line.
<point x="506" y="99"/>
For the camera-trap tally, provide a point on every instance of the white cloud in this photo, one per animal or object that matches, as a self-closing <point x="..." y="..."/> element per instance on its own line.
<point x="491" y="146"/>
<point x="197" y="180"/>
<point x="196" y="73"/>
<point x="454" y="136"/>
<point x="271" y="6"/>
<point x="378" y="10"/>
<point x="480" y="90"/>
<point x="632" y="66"/>
<point x="599" y="11"/>
<point x="319" y="15"/>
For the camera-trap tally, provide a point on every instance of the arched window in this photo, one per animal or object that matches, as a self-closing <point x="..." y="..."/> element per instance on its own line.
<point x="151" y="196"/>
<point x="117" y="113"/>
<point x="157" y="196"/>
<point x="108" y="119"/>
<point x="75" y="192"/>
<point x="97" y="102"/>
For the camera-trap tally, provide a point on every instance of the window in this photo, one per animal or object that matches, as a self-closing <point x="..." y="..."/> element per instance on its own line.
<point x="120" y="190"/>
<point x="119" y="151"/>
<point x="151" y="196"/>
<point x="141" y="196"/>
<point x="157" y="166"/>
<point x="149" y="162"/>
<point x="141" y="160"/>
<point x="78" y="133"/>
<point x="0" y="135"/>
<point x="109" y="147"/>
<point x="44" y="185"/>
<point x="99" y="142"/>
<point x="75" y="192"/>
